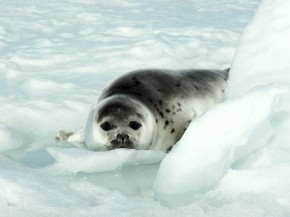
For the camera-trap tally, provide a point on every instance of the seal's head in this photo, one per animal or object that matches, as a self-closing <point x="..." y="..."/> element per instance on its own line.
<point x="119" y="122"/>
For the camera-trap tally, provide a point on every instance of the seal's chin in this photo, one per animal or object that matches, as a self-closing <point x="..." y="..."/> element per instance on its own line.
<point x="116" y="144"/>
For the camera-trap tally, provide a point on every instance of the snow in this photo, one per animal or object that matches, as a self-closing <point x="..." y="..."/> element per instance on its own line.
<point x="9" y="138"/>
<point x="268" y="59"/>
<point x="56" y="56"/>
<point x="76" y="160"/>
<point x="213" y="155"/>
<point x="242" y="146"/>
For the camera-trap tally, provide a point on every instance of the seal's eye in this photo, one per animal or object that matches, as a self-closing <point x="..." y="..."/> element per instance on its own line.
<point x="134" y="125"/>
<point x="106" y="126"/>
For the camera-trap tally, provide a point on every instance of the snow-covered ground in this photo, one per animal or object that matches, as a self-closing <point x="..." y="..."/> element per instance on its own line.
<point x="56" y="56"/>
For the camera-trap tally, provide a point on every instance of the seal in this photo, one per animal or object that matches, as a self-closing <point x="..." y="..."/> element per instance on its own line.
<point x="150" y="108"/>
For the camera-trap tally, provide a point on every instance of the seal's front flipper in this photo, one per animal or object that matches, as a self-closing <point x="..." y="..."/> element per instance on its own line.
<point x="77" y="138"/>
<point x="63" y="135"/>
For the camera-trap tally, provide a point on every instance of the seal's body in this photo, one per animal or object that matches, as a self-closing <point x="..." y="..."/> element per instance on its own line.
<point x="151" y="109"/>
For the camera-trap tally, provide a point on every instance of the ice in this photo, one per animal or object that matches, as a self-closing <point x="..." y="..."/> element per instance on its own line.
<point x="56" y="56"/>
<point x="78" y="160"/>
<point x="242" y="146"/>
<point x="9" y="138"/>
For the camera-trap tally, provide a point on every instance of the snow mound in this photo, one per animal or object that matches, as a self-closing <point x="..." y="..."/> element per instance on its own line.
<point x="263" y="53"/>
<point x="9" y="138"/>
<point x="247" y="136"/>
<point x="198" y="161"/>
<point x="80" y="160"/>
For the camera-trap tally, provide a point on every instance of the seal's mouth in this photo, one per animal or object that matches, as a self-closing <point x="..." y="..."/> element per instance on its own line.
<point x="121" y="141"/>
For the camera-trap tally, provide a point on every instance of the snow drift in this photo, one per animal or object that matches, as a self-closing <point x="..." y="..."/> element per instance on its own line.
<point x="242" y="145"/>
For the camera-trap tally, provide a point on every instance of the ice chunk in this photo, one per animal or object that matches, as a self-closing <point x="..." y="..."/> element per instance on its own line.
<point x="81" y="160"/>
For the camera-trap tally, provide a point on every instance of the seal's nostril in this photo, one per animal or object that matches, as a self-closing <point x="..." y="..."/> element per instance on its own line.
<point x="122" y="137"/>
<point x="121" y="141"/>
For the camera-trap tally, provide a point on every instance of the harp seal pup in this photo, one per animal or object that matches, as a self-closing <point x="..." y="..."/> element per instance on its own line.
<point x="149" y="109"/>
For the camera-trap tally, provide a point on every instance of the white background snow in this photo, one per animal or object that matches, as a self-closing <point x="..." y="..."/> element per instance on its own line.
<point x="56" y="56"/>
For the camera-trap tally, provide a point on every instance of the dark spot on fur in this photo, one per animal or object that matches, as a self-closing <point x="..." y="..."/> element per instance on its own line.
<point x="167" y="110"/>
<point x="139" y="115"/>
<point x="169" y="149"/>
<point x="158" y="90"/>
<point x="179" y="110"/>
<point x="174" y="113"/>
<point x="159" y="111"/>
<point x="160" y="102"/>
<point x="161" y="114"/>
<point x="156" y="121"/>
<point x="172" y="131"/>
<point x="184" y="129"/>
<point x="189" y="121"/>
<point x="179" y="104"/>
<point x="166" y="124"/>
<point x="178" y="84"/>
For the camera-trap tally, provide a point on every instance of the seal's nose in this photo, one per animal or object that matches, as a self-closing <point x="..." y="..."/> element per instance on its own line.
<point x="123" y="138"/>
<point x="121" y="141"/>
